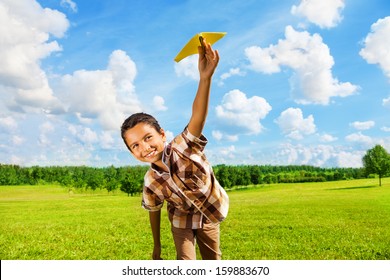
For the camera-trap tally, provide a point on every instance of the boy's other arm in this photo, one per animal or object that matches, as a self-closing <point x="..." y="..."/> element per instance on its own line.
<point x="208" y="62"/>
<point x="155" y="221"/>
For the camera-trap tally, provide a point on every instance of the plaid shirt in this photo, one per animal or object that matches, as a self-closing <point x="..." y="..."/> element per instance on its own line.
<point x="193" y="194"/>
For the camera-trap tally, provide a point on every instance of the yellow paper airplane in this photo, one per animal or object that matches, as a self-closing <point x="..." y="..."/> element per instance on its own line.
<point x="192" y="46"/>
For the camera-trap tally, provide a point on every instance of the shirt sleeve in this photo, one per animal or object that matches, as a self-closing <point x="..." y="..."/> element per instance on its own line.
<point x="188" y="144"/>
<point x="150" y="200"/>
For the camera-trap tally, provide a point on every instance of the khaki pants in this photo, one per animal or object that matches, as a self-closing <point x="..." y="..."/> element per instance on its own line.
<point x="207" y="239"/>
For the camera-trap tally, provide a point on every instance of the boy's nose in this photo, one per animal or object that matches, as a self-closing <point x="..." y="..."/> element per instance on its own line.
<point x="145" y="147"/>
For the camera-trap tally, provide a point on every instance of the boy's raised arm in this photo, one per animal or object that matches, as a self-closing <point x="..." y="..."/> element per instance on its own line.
<point x="208" y="62"/>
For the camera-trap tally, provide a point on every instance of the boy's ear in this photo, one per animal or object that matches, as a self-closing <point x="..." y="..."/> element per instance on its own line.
<point x="163" y="135"/>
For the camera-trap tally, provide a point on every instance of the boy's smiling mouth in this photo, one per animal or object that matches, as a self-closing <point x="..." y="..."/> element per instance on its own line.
<point x="151" y="154"/>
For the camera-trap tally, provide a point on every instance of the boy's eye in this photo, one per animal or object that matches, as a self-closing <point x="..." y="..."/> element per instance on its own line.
<point x="134" y="146"/>
<point x="148" y="137"/>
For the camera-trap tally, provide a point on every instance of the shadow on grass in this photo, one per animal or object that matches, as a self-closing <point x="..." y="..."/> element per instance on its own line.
<point x="352" y="188"/>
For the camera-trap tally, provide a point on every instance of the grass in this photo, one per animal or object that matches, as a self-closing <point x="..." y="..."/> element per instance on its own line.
<point x="326" y="221"/>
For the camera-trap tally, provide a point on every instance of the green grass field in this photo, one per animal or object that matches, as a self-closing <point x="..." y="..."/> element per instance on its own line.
<point x="310" y="221"/>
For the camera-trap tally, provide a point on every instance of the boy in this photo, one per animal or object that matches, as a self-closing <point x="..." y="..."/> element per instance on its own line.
<point x="180" y="174"/>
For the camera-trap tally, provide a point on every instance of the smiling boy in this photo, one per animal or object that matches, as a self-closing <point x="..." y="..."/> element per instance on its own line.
<point x="180" y="174"/>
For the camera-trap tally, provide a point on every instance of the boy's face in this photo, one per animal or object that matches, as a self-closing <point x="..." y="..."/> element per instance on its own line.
<point x="145" y="142"/>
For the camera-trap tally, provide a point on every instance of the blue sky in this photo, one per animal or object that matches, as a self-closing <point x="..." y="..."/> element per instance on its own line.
<point x="299" y="82"/>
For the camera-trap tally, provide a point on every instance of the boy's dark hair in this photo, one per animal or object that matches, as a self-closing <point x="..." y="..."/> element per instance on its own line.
<point x="135" y="119"/>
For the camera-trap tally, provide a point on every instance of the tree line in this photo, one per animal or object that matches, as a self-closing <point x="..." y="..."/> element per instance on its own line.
<point x="130" y="179"/>
<point x="127" y="179"/>
<point x="243" y="175"/>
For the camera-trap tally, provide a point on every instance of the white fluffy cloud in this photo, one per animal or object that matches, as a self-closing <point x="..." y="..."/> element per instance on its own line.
<point x="218" y="135"/>
<point x="159" y="103"/>
<point x="300" y="154"/>
<point x="386" y="102"/>
<point x="228" y="152"/>
<point x="310" y="58"/>
<point x="69" y="4"/>
<point x="88" y="136"/>
<point x="26" y="30"/>
<point x="359" y="138"/>
<point x="319" y="155"/>
<point x="350" y="159"/>
<point x="232" y="72"/>
<point x="8" y="124"/>
<point x="327" y="138"/>
<point x="188" y="67"/>
<point x="107" y="95"/>
<point x="45" y="129"/>
<point x="241" y="113"/>
<point x="101" y="97"/>
<point x="376" y="45"/>
<point x="291" y="154"/>
<point x="325" y="14"/>
<point x="107" y="140"/>
<point x="17" y="140"/>
<point x="362" y="125"/>
<point x="294" y="125"/>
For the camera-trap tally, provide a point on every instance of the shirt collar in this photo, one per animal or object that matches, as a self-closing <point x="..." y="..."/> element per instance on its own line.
<point x="165" y="159"/>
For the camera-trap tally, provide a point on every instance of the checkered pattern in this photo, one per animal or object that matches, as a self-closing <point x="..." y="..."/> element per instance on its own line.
<point x="193" y="194"/>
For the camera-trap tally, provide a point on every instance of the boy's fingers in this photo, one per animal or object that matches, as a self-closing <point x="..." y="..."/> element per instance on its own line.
<point x="202" y="41"/>
<point x="216" y="55"/>
<point x="201" y="50"/>
<point x="206" y="51"/>
<point x="213" y="55"/>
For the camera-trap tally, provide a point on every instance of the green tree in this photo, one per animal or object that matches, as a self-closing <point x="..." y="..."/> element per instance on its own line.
<point x="377" y="161"/>
<point x="131" y="184"/>
<point x="222" y="174"/>
<point x="8" y="175"/>
<point x="110" y="177"/>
